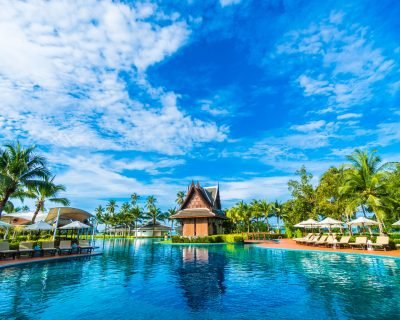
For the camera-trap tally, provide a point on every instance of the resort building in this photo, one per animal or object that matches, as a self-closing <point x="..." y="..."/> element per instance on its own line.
<point x="200" y="213"/>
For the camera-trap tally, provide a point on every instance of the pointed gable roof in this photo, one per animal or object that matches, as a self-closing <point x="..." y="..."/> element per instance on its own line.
<point x="199" y="191"/>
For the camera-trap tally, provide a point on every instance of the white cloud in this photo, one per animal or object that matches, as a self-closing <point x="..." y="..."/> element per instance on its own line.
<point x="64" y="67"/>
<point x="310" y="126"/>
<point x="225" y="3"/>
<point x="349" y="116"/>
<point x="346" y="64"/>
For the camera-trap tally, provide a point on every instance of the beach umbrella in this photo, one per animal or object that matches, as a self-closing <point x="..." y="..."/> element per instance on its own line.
<point x="39" y="226"/>
<point x="364" y="222"/>
<point x="397" y="224"/>
<point x="330" y="223"/>
<point x="309" y="223"/>
<point x="76" y="225"/>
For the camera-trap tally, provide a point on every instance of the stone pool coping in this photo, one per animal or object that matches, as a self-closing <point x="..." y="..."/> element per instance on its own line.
<point x="25" y="261"/>
<point x="291" y="245"/>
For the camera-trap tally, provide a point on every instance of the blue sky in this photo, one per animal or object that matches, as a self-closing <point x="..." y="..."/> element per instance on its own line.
<point x="143" y="97"/>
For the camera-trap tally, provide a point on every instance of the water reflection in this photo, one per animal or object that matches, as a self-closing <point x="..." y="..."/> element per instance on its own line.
<point x="201" y="275"/>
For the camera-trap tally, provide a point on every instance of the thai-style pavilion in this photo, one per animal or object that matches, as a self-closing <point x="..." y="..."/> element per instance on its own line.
<point x="200" y="212"/>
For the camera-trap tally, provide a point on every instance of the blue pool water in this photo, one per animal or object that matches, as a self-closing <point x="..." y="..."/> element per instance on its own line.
<point x="143" y="280"/>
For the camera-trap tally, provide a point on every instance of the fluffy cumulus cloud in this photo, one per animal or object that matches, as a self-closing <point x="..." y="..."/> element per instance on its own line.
<point x="67" y="68"/>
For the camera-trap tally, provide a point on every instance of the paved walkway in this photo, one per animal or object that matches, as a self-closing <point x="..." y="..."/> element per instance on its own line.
<point x="26" y="260"/>
<point x="292" y="245"/>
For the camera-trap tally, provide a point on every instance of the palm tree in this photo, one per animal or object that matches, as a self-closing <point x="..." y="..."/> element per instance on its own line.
<point x="366" y="182"/>
<point x="111" y="207"/>
<point x="244" y="213"/>
<point x="19" y="168"/>
<point x="170" y="212"/>
<point x="277" y="209"/>
<point x="265" y="208"/>
<point x="137" y="215"/>
<point x="134" y="199"/>
<point x="155" y="214"/>
<point x="150" y="202"/>
<point x="47" y="190"/>
<point x="99" y="212"/>
<point x="180" y="197"/>
<point x="256" y="213"/>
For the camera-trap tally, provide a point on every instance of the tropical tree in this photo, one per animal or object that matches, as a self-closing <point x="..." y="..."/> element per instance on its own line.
<point x="151" y="202"/>
<point x="19" y="168"/>
<point x="180" y="197"/>
<point x="111" y="207"/>
<point x="134" y="199"/>
<point x="264" y="208"/>
<point x="137" y="215"/>
<point x="278" y="211"/>
<point x="366" y="181"/>
<point x="155" y="214"/>
<point x="170" y="212"/>
<point x="99" y="213"/>
<point x="47" y="190"/>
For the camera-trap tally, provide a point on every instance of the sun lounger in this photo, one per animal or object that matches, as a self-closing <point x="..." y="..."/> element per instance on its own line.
<point x="313" y="240"/>
<point x="320" y="241"/>
<point x="5" y="251"/>
<point x="48" y="248"/>
<point x="343" y="242"/>
<point x="329" y="240"/>
<point x="361" y="242"/>
<point x="85" y="246"/>
<point x="307" y="237"/>
<point x="382" y="242"/>
<point x="65" y="247"/>
<point x="26" y="248"/>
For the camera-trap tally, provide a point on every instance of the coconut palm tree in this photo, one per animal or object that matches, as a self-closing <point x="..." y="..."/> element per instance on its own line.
<point x="366" y="182"/>
<point x="150" y="202"/>
<point x="265" y="207"/>
<point x="278" y="212"/>
<point x="19" y="168"/>
<point x="134" y="199"/>
<point x="244" y="213"/>
<point x="180" y="197"/>
<point x="47" y="190"/>
<point x="137" y="215"/>
<point x="111" y="207"/>
<point x="170" y="212"/>
<point x="155" y="214"/>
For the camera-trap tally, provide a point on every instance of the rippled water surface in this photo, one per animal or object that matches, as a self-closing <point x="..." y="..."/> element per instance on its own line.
<point x="144" y="280"/>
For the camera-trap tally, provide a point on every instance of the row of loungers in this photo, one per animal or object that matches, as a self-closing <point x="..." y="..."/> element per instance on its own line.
<point x="382" y="242"/>
<point x="47" y="248"/>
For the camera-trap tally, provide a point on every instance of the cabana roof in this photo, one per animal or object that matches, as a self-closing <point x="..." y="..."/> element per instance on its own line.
<point x="68" y="214"/>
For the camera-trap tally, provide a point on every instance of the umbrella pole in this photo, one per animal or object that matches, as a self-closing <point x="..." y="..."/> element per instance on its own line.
<point x="56" y="226"/>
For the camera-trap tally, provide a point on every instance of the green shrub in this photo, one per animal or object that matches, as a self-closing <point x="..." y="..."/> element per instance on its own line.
<point x="288" y="233"/>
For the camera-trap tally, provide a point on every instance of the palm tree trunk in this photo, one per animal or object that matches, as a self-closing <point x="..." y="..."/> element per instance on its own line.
<point x="363" y="209"/>
<point x="4" y="202"/>
<point x="36" y="212"/>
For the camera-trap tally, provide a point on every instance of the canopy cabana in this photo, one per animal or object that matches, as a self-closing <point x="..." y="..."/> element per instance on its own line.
<point x="22" y="218"/>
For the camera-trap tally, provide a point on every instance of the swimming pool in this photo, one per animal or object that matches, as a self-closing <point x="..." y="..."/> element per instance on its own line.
<point x="144" y="280"/>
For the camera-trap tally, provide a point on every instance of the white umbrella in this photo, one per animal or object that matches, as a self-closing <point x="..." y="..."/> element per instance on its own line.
<point x="362" y="221"/>
<point x="39" y="226"/>
<point x="396" y="223"/>
<point x="75" y="225"/>
<point x="330" y="223"/>
<point x="308" y="223"/>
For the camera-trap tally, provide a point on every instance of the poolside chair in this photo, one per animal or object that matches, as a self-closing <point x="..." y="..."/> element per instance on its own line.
<point x="65" y="247"/>
<point x="312" y="240"/>
<point x="48" y="248"/>
<point x="330" y="240"/>
<point x="382" y="242"/>
<point x="307" y="237"/>
<point x="85" y="246"/>
<point x="5" y="251"/>
<point x="26" y="248"/>
<point x="343" y="242"/>
<point x="320" y="241"/>
<point x="361" y="242"/>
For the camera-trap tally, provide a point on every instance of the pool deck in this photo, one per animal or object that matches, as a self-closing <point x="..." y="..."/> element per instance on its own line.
<point x="27" y="260"/>
<point x="289" y="244"/>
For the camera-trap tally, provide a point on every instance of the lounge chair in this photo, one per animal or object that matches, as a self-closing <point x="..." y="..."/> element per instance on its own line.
<point x="361" y="242"/>
<point x="320" y="241"/>
<point x="313" y="239"/>
<point x="5" y="251"/>
<point x="343" y="242"/>
<point x="307" y="237"/>
<point x="85" y="246"/>
<point x="329" y="240"/>
<point x="65" y="247"/>
<point x="26" y="248"/>
<point x="48" y="248"/>
<point x="381" y="242"/>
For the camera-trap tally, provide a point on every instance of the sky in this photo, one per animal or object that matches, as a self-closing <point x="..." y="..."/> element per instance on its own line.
<point x="130" y="96"/>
